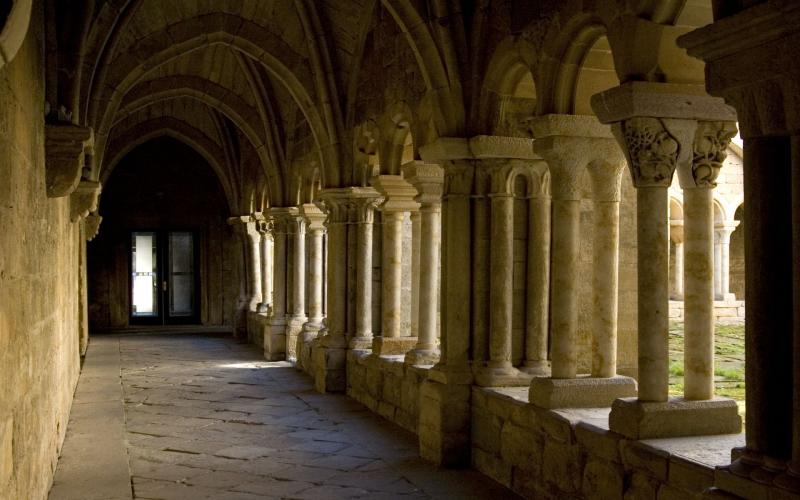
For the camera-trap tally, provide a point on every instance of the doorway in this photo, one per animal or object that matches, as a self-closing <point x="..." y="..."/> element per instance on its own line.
<point x="163" y="285"/>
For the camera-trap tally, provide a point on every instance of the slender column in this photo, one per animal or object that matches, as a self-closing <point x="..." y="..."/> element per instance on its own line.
<point x="428" y="179"/>
<point x="252" y="240"/>
<point x="652" y="175"/>
<point x="337" y="206"/>
<point x="606" y="180"/>
<point x="315" y="234"/>
<point x="392" y="273"/>
<point x="725" y="257"/>
<point x="699" y="294"/>
<point x="501" y="281"/>
<point x="565" y="257"/>
<point x="364" y="218"/>
<point x="416" y="247"/>
<point x="265" y="229"/>
<point x="279" y="267"/>
<point x="538" y="303"/>
<point x="717" y="263"/>
<point x="298" y="267"/>
<point x="676" y="235"/>
<point x="398" y="201"/>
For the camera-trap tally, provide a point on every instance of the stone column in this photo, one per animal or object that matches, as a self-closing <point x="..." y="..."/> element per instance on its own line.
<point x="654" y="148"/>
<point x="428" y="179"/>
<point x="329" y="353"/>
<point x="676" y="235"/>
<point x="398" y="200"/>
<point x="606" y="179"/>
<point x="499" y="370"/>
<point x="722" y="265"/>
<point x="267" y="269"/>
<point x="538" y="300"/>
<point x="717" y="264"/>
<point x="275" y="334"/>
<point x="315" y="220"/>
<point x="416" y="247"/>
<point x="296" y="224"/>
<point x="252" y="239"/>
<point x="364" y="213"/>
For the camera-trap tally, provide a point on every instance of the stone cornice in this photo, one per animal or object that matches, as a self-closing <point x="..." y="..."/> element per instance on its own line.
<point x="65" y="148"/>
<point x="659" y="100"/>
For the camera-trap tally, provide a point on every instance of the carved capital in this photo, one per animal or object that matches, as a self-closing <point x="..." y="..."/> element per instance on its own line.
<point x="92" y="226"/>
<point x="315" y="217"/>
<point x="397" y="192"/>
<point x="710" y="150"/>
<point x="65" y="147"/>
<point x="84" y="199"/>
<point x="246" y="225"/>
<point x="652" y="151"/>
<point x="340" y="203"/>
<point x="459" y="176"/>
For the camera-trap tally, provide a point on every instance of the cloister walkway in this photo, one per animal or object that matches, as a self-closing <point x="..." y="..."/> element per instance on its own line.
<point x="191" y="416"/>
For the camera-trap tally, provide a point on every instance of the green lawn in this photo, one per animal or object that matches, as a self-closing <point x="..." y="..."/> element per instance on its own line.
<point x="729" y="362"/>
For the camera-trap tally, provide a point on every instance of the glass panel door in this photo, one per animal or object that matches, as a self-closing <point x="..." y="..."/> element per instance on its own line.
<point x="144" y="275"/>
<point x="181" y="286"/>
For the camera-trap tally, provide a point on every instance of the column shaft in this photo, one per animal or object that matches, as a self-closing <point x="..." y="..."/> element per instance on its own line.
<point x="501" y="281"/>
<point x="564" y="303"/>
<point x="337" y="281"/>
<point x="299" y="270"/>
<point x="429" y="277"/>
<point x="678" y="277"/>
<point x="698" y="294"/>
<point x="315" y="276"/>
<point x="364" y="281"/>
<point x="717" y="263"/>
<point x="456" y="280"/>
<point x="416" y="247"/>
<point x="254" y="267"/>
<point x="392" y="273"/>
<point x="605" y="288"/>
<point x="538" y="303"/>
<point x="653" y="283"/>
<point x="279" y="267"/>
<point x="266" y="271"/>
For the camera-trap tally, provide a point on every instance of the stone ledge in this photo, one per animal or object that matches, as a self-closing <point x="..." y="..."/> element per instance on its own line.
<point x="582" y="392"/>
<point x="677" y="417"/>
<point x="389" y="346"/>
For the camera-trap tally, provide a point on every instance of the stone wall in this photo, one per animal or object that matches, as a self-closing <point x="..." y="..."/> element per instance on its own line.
<point x="386" y="386"/>
<point x="39" y="255"/>
<point x="567" y="454"/>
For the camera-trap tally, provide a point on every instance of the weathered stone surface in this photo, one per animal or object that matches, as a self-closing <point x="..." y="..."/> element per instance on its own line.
<point x="603" y="480"/>
<point x="560" y="464"/>
<point x="677" y="417"/>
<point x="582" y="392"/>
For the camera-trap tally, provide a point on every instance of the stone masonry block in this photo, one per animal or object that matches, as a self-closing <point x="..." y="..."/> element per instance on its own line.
<point x="598" y="442"/>
<point x="562" y="466"/>
<point x="636" y="455"/>
<point x="603" y="480"/>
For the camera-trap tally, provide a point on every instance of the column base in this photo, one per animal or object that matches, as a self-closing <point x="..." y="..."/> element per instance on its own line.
<point x="539" y="368"/>
<point x="392" y="346"/>
<point x="581" y="392"/>
<point x="293" y="328"/>
<point x="756" y="483"/>
<point x="502" y="377"/>
<point x="275" y="339"/>
<point x="677" y="417"/>
<point x="360" y="344"/>
<point x="330" y="365"/>
<point x="264" y="308"/>
<point x="444" y="418"/>
<point x="422" y="357"/>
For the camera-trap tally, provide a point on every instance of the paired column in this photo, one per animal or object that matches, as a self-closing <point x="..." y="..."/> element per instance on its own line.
<point x="398" y="201"/>
<point x="722" y="259"/>
<point x="655" y="148"/>
<point x="428" y="179"/>
<point x="364" y="217"/>
<point x="575" y="147"/>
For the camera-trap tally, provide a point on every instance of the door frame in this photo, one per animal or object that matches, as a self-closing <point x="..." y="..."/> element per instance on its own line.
<point x="162" y="268"/>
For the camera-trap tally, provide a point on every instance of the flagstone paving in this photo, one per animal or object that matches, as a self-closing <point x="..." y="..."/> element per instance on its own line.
<point x="202" y="417"/>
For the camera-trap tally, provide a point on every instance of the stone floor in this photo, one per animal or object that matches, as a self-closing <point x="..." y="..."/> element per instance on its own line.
<point x="196" y="417"/>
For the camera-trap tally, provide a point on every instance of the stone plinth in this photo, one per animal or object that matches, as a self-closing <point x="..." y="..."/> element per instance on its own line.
<point x="389" y="346"/>
<point x="502" y="377"/>
<point x="444" y="423"/>
<point x="581" y="392"/>
<point x="677" y="417"/>
<point x="329" y="365"/>
<point x="274" y="338"/>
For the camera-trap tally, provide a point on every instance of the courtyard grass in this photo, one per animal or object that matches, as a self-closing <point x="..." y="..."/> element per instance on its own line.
<point x="729" y="362"/>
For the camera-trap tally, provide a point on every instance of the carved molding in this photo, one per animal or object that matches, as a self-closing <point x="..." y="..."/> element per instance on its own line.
<point x="651" y="150"/>
<point x="84" y="199"/>
<point x="65" y="147"/>
<point x="92" y="226"/>
<point x="710" y="150"/>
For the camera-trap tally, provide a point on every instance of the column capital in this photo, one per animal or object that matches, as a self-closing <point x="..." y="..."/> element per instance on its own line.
<point x="427" y="179"/>
<point x="340" y="204"/>
<point x="315" y="217"/>
<point x="710" y="148"/>
<point x="84" y="199"/>
<point x="246" y="224"/>
<point x="66" y="146"/>
<point x="92" y="225"/>
<point x="398" y="193"/>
